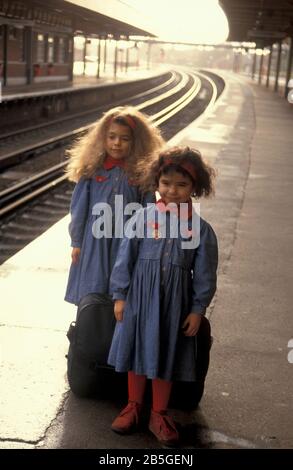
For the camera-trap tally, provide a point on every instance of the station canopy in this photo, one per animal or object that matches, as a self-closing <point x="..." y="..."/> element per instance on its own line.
<point x="104" y="17"/>
<point x="261" y="21"/>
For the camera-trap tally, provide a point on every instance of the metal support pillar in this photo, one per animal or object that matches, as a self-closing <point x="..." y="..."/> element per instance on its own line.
<point x="260" y="68"/>
<point x="269" y="66"/>
<point x="99" y="58"/>
<point x="121" y="58"/>
<point x="84" y="56"/>
<point x="28" y="51"/>
<point x="149" y="56"/>
<point x="105" y="54"/>
<point x="115" y="58"/>
<point x="289" y="67"/>
<point x="253" y="66"/>
<point x="71" y="56"/>
<point x="137" y="58"/>
<point x="235" y="62"/>
<point x="278" y="66"/>
<point x="46" y="38"/>
<point x="5" y="54"/>
<point x="127" y="60"/>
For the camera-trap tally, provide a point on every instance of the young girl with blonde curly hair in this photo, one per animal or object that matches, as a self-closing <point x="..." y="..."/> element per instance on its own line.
<point x="104" y="165"/>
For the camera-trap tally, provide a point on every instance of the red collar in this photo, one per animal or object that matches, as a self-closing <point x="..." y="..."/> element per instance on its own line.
<point x="111" y="162"/>
<point x="162" y="207"/>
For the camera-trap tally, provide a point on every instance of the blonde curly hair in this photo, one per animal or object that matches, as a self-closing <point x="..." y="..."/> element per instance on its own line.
<point x="87" y="153"/>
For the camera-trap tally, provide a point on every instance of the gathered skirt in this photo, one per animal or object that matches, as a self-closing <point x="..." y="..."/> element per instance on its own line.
<point x="150" y="340"/>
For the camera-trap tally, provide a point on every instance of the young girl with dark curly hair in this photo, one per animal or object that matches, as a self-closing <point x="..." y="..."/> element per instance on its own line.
<point x="162" y="284"/>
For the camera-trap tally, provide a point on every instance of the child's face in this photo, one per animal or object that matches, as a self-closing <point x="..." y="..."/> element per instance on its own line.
<point x="175" y="187"/>
<point x="118" y="141"/>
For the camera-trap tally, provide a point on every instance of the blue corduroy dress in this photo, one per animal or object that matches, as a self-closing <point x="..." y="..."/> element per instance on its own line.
<point x="162" y="283"/>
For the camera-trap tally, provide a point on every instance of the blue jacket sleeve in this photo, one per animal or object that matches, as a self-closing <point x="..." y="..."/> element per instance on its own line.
<point x="205" y="269"/>
<point x="79" y="208"/>
<point x="123" y="268"/>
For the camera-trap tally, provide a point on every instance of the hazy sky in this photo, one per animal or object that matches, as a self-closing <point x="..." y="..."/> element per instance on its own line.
<point x="184" y="20"/>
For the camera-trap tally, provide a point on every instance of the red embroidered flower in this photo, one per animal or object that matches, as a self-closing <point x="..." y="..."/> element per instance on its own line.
<point x="156" y="234"/>
<point x="154" y="225"/>
<point x="101" y="178"/>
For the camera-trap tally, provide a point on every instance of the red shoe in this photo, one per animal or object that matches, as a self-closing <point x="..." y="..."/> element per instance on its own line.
<point x="128" y="420"/>
<point x="163" y="427"/>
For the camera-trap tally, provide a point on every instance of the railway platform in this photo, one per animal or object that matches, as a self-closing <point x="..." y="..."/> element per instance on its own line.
<point x="247" y="403"/>
<point x="79" y="83"/>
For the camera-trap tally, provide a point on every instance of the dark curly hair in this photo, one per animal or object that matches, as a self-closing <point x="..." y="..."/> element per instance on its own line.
<point x="176" y="156"/>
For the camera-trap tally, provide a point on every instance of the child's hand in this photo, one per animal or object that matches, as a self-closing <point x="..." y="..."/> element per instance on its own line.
<point x="191" y="324"/>
<point x="118" y="309"/>
<point x="75" y="255"/>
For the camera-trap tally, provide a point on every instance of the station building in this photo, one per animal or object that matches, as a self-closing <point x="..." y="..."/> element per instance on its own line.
<point x="37" y="36"/>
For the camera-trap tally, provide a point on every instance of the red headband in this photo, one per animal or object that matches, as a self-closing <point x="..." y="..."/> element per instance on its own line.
<point x="185" y="165"/>
<point x="128" y="119"/>
<point x="131" y="122"/>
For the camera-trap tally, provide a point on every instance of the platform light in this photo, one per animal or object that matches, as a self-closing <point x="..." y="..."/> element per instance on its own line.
<point x="126" y="44"/>
<point x="250" y="45"/>
<point x="259" y="52"/>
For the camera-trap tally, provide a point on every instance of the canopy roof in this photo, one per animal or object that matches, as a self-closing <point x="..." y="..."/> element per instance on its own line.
<point x="261" y="21"/>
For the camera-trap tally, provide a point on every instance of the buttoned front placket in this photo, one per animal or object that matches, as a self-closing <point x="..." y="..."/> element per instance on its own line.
<point x="166" y="254"/>
<point x="166" y="251"/>
<point x="116" y="177"/>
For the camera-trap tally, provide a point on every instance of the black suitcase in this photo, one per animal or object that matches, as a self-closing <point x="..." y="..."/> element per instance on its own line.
<point x="187" y="395"/>
<point x="90" y="338"/>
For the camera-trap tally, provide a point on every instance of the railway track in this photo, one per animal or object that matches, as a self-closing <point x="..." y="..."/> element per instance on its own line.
<point x="20" y="144"/>
<point x="44" y="197"/>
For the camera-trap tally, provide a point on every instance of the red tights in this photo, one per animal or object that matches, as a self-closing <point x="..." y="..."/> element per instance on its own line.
<point x="161" y="391"/>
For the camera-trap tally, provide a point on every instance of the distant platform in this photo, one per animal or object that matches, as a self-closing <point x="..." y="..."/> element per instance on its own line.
<point x="80" y="82"/>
